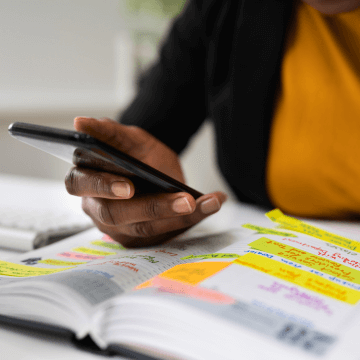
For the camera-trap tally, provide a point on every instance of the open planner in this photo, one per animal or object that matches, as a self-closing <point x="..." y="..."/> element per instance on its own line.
<point x="290" y="290"/>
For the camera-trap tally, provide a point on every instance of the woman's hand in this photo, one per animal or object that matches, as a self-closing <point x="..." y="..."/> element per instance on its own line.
<point x="131" y="218"/>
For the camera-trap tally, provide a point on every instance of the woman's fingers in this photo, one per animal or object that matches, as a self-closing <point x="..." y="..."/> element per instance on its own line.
<point x="130" y="139"/>
<point x="92" y="183"/>
<point x="205" y="206"/>
<point x="138" y="209"/>
<point x="125" y="223"/>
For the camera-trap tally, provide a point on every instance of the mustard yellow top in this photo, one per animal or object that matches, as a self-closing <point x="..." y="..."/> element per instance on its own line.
<point x="314" y="156"/>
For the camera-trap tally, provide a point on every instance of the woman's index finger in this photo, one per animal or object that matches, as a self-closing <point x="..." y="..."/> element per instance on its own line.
<point x="129" y="139"/>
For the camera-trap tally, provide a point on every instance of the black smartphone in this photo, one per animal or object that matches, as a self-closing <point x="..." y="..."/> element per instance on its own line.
<point x="85" y="151"/>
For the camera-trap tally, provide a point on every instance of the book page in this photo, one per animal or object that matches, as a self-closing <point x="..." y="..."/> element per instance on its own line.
<point x="98" y="268"/>
<point x="296" y="290"/>
<point x="66" y="283"/>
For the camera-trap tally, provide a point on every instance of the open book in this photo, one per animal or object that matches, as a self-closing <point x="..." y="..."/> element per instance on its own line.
<point x="286" y="291"/>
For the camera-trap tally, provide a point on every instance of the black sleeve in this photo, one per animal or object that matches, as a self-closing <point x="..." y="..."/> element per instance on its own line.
<point x="171" y="102"/>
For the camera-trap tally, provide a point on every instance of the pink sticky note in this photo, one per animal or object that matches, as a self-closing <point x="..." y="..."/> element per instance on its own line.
<point x="108" y="239"/>
<point x="75" y="255"/>
<point x="196" y="292"/>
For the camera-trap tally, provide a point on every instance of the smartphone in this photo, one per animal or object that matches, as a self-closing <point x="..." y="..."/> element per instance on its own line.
<point x="85" y="151"/>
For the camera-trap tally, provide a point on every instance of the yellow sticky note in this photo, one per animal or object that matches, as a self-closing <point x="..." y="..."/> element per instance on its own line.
<point x="194" y="273"/>
<point x="322" y="264"/>
<point x="56" y="262"/>
<point x="264" y="230"/>
<point x="290" y="223"/>
<point x="12" y="269"/>
<point x="211" y="256"/>
<point x="299" y="277"/>
<point x="108" y="245"/>
<point x="86" y="250"/>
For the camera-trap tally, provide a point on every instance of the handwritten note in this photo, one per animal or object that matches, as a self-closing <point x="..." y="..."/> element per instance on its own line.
<point x="108" y="245"/>
<point x="12" y="269"/>
<point x="211" y="256"/>
<point x="292" y="293"/>
<point x="90" y="251"/>
<point x="194" y="273"/>
<point x="291" y="223"/>
<point x="319" y="263"/>
<point x="125" y="264"/>
<point x="299" y="277"/>
<point x="56" y="262"/>
<point x="264" y="230"/>
<point x="76" y="255"/>
<point x="195" y="292"/>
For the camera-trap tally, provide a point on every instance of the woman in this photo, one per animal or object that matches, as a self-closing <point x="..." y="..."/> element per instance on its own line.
<point x="281" y="82"/>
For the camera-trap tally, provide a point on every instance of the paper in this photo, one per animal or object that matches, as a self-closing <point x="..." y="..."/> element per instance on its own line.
<point x="299" y="277"/>
<point x="13" y="269"/>
<point x="290" y="223"/>
<point x="108" y="245"/>
<point x="194" y="273"/>
<point x="180" y="288"/>
<point x="76" y="255"/>
<point x="322" y="264"/>
<point x="127" y="268"/>
<point x="264" y="230"/>
<point x="211" y="256"/>
<point x="57" y="262"/>
<point x="86" y="250"/>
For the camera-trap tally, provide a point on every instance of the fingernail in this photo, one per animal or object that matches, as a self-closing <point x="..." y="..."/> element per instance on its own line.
<point x="121" y="189"/>
<point x="210" y="206"/>
<point x="181" y="206"/>
<point x="79" y="118"/>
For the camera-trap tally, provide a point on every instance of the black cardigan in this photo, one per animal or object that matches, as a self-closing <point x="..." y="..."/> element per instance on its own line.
<point x="221" y="61"/>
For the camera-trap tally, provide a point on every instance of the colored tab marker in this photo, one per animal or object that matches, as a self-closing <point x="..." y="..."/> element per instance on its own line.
<point x="268" y="231"/>
<point x="76" y="255"/>
<point x="290" y="223"/>
<point x="305" y="258"/>
<point x="56" y="262"/>
<point x="211" y="256"/>
<point x="194" y="273"/>
<point x="108" y="245"/>
<point x="86" y="250"/>
<point x="107" y="238"/>
<point x="299" y="277"/>
<point x="12" y="269"/>
<point x="195" y="292"/>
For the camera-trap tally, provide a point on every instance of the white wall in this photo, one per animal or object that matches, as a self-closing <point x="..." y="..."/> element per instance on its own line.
<point x="57" y="52"/>
<point x="64" y="58"/>
<point x="58" y="59"/>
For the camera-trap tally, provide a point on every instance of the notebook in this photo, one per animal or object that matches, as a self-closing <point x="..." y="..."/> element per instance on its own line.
<point x="286" y="290"/>
<point x="37" y="212"/>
